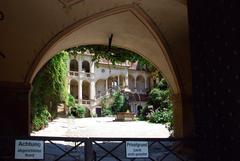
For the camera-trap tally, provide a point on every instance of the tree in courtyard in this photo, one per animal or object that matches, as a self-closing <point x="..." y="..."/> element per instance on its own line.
<point x="118" y="103"/>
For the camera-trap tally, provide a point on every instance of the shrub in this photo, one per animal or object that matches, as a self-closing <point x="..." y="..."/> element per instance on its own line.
<point x="77" y="110"/>
<point x="144" y="113"/>
<point x="119" y="103"/>
<point x="80" y="109"/>
<point x="106" y="112"/>
<point x="37" y="123"/>
<point x="164" y="116"/>
<point x="71" y="101"/>
<point x="41" y="118"/>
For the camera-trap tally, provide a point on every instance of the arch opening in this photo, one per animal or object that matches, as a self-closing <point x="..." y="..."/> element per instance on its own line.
<point x="74" y="65"/>
<point x="74" y="88"/>
<point x="85" y="66"/>
<point x="154" y="51"/>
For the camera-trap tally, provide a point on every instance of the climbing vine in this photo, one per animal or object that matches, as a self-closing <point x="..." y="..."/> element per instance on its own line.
<point x="114" y="55"/>
<point x="49" y="89"/>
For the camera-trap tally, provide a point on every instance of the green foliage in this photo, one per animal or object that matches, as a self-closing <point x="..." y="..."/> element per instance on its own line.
<point x="159" y="96"/>
<point x="115" y="55"/>
<point x="106" y="103"/>
<point x="118" y="104"/>
<point x="76" y="110"/>
<point x="80" y="110"/>
<point x="71" y="101"/>
<point x="41" y="118"/>
<point x="161" y="110"/>
<point x="161" y="116"/>
<point x="113" y="104"/>
<point x="164" y="116"/>
<point x="144" y="113"/>
<point x="49" y="87"/>
<point x="107" y="112"/>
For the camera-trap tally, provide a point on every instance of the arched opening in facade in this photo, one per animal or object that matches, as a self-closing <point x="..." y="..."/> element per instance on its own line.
<point x="131" y="83"/>
<point x="122" y="82"/>
<point x="74" y="65"/>
<point x="112" y="82"/>
<point x="100" y="88"/>
<point x="140" y="84"/>
<point x="85" y="90"/>
<point x="74" y="88"/>
<point x="85" y="66"/>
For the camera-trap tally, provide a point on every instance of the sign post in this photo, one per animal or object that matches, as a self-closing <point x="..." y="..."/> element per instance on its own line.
<point x="136" y="149"/>
<point x="29" y="149"/>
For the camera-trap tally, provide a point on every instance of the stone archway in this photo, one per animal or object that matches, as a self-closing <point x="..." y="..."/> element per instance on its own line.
<point x="140" y="83"/>
<point x="85" y="90"/>
<point x="131" y="83"/>
<point x="135" y="31"/>
<point x="74" y="88"/>
<point x="74" y="65"/>
<point x="85" y="66"/>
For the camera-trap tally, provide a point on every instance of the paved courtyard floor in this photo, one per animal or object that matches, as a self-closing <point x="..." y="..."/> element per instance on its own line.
<point x="102" y="127"/>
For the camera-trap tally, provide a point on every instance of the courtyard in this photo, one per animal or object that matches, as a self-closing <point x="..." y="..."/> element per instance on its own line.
<point x="102" y="127"/>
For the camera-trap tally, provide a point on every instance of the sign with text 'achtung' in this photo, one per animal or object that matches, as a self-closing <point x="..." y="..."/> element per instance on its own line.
<point x="29" y="149"/>
<point x="136" y="149"/>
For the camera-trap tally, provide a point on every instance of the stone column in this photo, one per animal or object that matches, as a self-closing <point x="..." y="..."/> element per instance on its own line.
<point x="145" y="85"/>
<point x="92" y="90"/>
<point x="106" y="88"/>
<point x="118" y="80"/>
<point x="135" y="84"/>
<point x="79" y="65"/>
<point x="92" y="67"/>
<point x="177" y="115"/>
<point x="126" y="78"/>
<point x="80" y="91"/>
<point x="69" y="85"/>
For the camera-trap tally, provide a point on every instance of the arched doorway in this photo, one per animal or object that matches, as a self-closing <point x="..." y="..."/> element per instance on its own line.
<point x="140" y="84"/>
<point x="85" y="91"/>
<point x="131" y="83"/>
<point x="112" y="82"/>
<point x="74" y="88"/>
<point x="85" y="66"/>
<point x="122" y="82"/>
<point x="74" y="65"/>
<point x="100" y="88"/>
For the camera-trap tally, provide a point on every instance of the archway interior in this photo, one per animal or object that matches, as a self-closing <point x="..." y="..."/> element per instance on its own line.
<point x="129" y="30"/>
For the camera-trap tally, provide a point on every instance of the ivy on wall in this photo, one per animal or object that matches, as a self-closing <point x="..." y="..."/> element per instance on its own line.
<point x="49" y="89"/>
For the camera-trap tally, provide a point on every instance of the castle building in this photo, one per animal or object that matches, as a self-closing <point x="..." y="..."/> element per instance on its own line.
<point x="88" y="82"/>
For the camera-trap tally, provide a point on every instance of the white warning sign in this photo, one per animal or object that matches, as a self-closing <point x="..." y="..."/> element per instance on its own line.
<point x="136" y="149"/>
<point x="29" y="149"/>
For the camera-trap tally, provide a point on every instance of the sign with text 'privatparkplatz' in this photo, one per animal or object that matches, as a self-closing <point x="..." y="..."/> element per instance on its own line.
<point x="136" y="149"/>
<point x="29" y="149"/>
